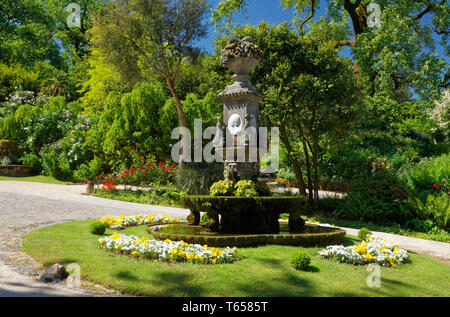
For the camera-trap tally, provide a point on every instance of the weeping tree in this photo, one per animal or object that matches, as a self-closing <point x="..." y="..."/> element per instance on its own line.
<point x="138" y="36"/>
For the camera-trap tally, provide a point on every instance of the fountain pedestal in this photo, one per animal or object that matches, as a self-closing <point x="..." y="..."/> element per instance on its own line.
<point x="239" y="149"/>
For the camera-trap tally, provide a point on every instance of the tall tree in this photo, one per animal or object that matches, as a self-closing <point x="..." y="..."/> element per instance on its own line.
<point x="135" y="35"/>
<point x="395" y="58"/>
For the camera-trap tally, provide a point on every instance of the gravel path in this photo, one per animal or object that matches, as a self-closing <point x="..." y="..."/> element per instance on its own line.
<point x="26" y="206"/>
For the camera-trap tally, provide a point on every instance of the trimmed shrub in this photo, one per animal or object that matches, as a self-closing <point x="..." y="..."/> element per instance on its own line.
<point x="363" y="233"/>
<point x="222" y="188"/>
<point x="97" y="227"/>
<point x="300" y="260"/>
<point x="245" y="188"/>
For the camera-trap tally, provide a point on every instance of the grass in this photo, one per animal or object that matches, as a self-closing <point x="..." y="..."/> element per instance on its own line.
<point x="140" y="196"/>
<point x="36" y="179"/>
<point x="265" y="271"/>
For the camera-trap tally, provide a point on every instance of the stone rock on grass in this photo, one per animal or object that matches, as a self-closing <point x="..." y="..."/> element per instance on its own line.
<point x="53" y="273"/>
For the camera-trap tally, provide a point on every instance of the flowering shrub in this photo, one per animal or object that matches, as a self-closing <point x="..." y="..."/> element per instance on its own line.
<point x="122" y="222"/>
<point x="167" y="250"/>
<point x="371" y="250"/>
<point x="143" y="173"/>
<point x="379" y="164"/>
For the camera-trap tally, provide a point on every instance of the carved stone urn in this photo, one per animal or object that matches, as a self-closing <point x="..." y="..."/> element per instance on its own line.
<point x="239" y="149"/>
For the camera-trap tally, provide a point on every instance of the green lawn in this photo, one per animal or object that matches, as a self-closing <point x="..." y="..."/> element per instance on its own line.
<point x="264" y="272"/>
<point x="138" y="196"/>
<point x="36" y="179"/>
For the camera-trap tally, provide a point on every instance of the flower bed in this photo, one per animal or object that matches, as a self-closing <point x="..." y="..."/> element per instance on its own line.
<point x="372" y="250"/>
<point x="167" y="250"/>
<point x="122" y="222"/>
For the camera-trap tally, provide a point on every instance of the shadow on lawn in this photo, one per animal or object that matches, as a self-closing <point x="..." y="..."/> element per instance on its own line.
<point x="63" y="261"/>
<point x="177" y="284"/>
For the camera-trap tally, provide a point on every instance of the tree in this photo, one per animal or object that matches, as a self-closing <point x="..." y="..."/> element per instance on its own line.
<point x="310" y="93"/>
<point x="158" y="34"/>
<point x="394" y="59"/>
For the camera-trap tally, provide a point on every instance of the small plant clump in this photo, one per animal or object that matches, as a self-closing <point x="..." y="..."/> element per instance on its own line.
<point x="300" y="260"/>
<point x="245" y="188"/>
<point x="222" y="188"/>
<point x="363" y="233"/>
<point x="240" y="48"/>
<point x="97" y="227"/>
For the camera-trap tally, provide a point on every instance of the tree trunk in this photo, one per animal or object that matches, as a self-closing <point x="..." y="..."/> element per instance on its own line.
<point x="90" y="187"/>
<point x="294" y="162"/>
<point x="316" y="173"/>
<point x="180" y="112"/>
<point x="307" y="164"/>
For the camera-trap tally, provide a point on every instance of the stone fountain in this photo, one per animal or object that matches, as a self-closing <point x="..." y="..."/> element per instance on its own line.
<point x="244" y="221"/>
<point x="238" y="146"/>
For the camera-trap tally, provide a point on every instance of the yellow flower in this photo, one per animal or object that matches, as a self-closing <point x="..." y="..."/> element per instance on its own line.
<point x="213" y="261"/>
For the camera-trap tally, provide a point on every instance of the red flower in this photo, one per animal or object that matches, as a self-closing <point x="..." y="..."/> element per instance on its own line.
<point x="122" y="176"/>
<point x="436" y="186"/>
<point x="142" y="158"/>
<point x="174" y="165"/>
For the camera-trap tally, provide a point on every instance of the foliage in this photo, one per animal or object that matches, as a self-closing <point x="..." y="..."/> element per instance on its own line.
<point x="435" y="208"/>
<point x="136" y="35"/>
<point x="5" y="161"/>
<point x="143" y="174"/>
<point x="380" y="183"/>
<point x="128" y="126"/>
<point x="89" y="171"/>
<point x="245" y="188"/>
<point x="441" y="112"/>
<point x="421" y="178"/>
<point x="56" y="165"/>
<point x="155" y="195"/>
<point x="197" y="178"/>
<point x="293" y="66"/>
<point x="363" y="233"/>
<point x="32" y="159"/>
<point x="14" y="76"/>
<point x="364" y="207"/>
<point x="97" y="227"/>
<point x="222" y="188"/>
<point x="300" y="260"/>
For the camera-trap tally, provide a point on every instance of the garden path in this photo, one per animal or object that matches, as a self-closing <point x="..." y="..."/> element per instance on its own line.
<point x="26" y="206"/>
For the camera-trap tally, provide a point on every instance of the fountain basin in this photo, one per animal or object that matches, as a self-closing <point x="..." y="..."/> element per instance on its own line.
<point x="247" y="215"/>
<point x="314" y="235"/>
